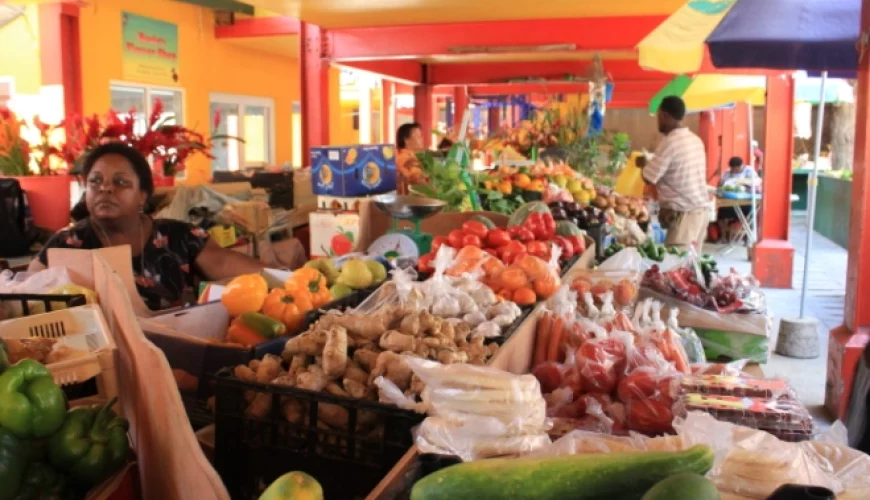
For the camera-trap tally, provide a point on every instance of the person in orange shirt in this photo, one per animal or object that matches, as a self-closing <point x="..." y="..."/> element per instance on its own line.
<point x="409" y="141"/>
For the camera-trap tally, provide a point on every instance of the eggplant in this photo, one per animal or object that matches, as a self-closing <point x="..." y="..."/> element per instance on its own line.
<point x="556" y="204"/>
<point x="559" y="213"/>
<point x="573" y="207"/>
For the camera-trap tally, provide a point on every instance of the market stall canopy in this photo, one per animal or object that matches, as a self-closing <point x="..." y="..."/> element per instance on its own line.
<point x="365" y="13"/>
<point x="677" y="45"/>
<point x="820" y="35"/>
<point x="712" y="91"/>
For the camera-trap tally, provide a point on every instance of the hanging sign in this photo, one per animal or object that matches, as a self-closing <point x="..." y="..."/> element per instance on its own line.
<point x="149" y="50"/>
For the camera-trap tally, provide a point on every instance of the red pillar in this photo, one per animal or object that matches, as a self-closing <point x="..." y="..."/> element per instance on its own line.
<point x="313" y="53"/>
<point x="773" y="256"/>
<point x="60" y="52"/>
<point x="708" y="134"/>
<point x="741" y="144"/>
<point x="423" y="111"/>
<point x="388" y="111"/>
<point x="460" y="103"/>
<point x="847" y="342"/>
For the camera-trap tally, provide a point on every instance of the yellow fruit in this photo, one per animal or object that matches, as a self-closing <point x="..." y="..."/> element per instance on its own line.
<point x="575" y="185"/>
<point x="522" y="181"/>
<point x="592" y="194"/>
<point x="355" y="274"/>
<point x="561" y="180"/>
<point x="379" y="272"/>
<point x="581" y="197"/>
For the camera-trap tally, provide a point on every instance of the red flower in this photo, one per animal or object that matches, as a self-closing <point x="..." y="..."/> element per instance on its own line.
<point x="156" y="113"/>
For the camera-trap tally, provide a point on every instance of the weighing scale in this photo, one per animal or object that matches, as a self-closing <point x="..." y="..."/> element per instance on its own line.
<point x="405" y="242"/>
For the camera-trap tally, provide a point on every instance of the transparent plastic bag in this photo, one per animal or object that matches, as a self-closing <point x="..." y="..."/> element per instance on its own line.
<point x="40" y="282"/>
<point x="475" y="412"/>
<point x="623" y="284"/>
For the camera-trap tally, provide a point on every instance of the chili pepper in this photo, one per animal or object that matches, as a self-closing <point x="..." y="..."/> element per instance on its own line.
<point x="566" y="246"/>
<point x="522" y="233"/>
<point x="542" y="225"/>
<point x="31" y="404"/>
<point x="92" y="444"/>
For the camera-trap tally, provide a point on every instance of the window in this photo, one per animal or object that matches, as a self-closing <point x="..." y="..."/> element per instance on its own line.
<point x="251" y="119"/>
<point x="141" y="98"/>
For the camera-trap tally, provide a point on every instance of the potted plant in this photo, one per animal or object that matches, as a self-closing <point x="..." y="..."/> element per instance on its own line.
<point x="48" y="189"/>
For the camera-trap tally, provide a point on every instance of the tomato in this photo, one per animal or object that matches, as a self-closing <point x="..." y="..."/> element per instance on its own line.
<point x="438" y="242"/>
<point x="521" y="233"/>
<point x="475" y="228"/>
<point x="424" y="263"/>
<point x="470" y="240"/>
<point x="596" y="368"/>
<point x="498" y="238"/>
<point x="578" y="243"/>
<point x="640" y="384"/>
<point x="550" y="377"/>
<point x="455" y="238"/>
<point x="649" y="416"/>
<point x="511" y="255"/>
<point x="538" y="249"/>
<point x="566" y="246"/>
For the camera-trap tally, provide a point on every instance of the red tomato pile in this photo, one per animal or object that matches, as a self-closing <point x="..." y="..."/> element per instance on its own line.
<point x="630" y="383"/>
<point x="536" y="237"/>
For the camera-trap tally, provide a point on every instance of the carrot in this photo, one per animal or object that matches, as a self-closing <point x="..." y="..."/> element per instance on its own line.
<point x="555" y="339"/>
<point x="678" y="353"/>
<point x="542" y="337"/>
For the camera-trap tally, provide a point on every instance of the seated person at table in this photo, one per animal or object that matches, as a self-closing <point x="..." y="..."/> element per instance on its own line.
<point x="737" y="172"/>
<point x="738" y="177"/>
<point x="167" y="255"/>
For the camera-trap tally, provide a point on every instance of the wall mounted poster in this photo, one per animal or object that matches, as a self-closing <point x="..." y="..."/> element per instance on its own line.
<point x="150" y="50"/>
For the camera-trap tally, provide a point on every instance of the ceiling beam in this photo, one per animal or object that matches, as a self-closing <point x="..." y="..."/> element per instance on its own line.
<point x="227" y="5"/>
<point x="477" y="73"/>
<point x="409" y="72"/>
<point x="257" y="27"/>
<point x="585" y="34"/>
<point x="626" y="104"/>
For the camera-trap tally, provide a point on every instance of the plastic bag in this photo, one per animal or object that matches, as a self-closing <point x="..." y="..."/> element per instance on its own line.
<point x="475" y="412"/>
<point x="630" y="181"/>
<point x="623" y="284"/>
<point x="627" y="259"/>
<point x="40" y="282"/>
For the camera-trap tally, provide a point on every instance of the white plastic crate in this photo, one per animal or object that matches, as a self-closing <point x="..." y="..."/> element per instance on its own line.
<point x="81" y="328"/>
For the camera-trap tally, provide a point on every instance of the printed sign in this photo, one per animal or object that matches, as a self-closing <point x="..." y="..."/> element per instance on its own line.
<point x="149" y="50"/>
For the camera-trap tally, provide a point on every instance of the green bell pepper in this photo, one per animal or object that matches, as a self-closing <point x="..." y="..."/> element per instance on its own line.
<point x="31" y="404"/>
<point x="92" y="444"/>
<point x="41" y="482"/>
<point x="12" y="464"/>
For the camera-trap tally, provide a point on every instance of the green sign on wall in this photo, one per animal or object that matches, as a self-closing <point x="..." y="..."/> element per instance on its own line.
<point x="150" y="50"/>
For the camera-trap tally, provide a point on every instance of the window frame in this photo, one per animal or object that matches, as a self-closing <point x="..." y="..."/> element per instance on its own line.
<point x="243" y="102"/>
<point x="148" y="88"/>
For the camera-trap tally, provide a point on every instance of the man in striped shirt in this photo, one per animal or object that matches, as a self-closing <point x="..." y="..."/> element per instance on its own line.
<point x="678" y="171"/>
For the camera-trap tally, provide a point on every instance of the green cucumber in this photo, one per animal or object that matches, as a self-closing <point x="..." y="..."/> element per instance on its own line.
<point x="684" y="486"/>
<point x="575" y="477"/>
<point x="262" y="324"/>
<point x="524" y="211"/>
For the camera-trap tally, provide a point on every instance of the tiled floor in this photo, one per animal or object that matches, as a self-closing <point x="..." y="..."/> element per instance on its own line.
<point x="825" y="299"/>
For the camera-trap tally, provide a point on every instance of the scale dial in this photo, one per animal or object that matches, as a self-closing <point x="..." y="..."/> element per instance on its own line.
<point x="394" y="245"/>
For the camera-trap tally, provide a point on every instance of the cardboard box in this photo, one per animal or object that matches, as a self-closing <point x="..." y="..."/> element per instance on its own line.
<point x="356" y="170"/>
<point x="334" y="234"/>
<point x="342" y="203"/>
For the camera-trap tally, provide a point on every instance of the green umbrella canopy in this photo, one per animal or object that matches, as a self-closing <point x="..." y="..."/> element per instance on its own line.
<point x="676" y="87"/>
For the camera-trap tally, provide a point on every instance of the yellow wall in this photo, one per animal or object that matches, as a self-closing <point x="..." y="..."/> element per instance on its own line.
<point x="19" y="52"/>
<point x="205" y="65"/>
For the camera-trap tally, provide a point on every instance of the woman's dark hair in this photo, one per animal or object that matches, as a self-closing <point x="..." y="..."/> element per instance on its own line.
<point x="404" y="133"/>
<point x="138" y="162"/>
<point x="445" y="144"/>
<point x="735" y="162"/>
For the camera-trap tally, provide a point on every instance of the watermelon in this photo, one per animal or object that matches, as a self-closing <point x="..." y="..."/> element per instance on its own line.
<point x="568" y="228"/>
<point x="519" y="217"/>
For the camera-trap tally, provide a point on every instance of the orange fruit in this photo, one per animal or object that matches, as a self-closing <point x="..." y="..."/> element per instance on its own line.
<point x="524" y="296"/>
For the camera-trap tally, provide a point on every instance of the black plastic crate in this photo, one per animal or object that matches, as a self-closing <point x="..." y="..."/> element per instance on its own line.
<point x="251" y="452"/>
<point x="24" y="299"/>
